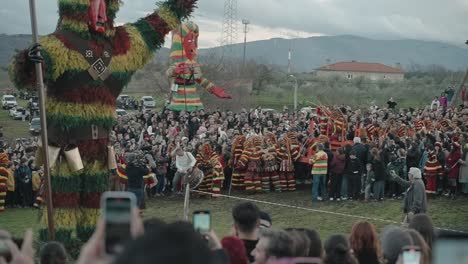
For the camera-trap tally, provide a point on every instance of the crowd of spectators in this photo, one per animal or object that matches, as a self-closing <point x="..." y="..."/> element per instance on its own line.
<point x="249" y="242"/>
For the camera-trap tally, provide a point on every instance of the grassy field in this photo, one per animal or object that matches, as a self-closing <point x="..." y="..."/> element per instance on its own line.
<point x="445" y="213"/>
<point x="13" y="128"/>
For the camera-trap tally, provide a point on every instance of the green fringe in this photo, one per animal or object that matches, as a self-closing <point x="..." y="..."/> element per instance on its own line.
<point x="65" y="184"/>
<point x="173" y="5"/>
<point x="96" y="183"/>
<point x="152" y="39"/>
<point x="84" y="232"/>
<point x="61" y="235"/>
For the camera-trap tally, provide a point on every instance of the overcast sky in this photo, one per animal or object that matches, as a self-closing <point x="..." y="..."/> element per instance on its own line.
<point x="439" y="20"/>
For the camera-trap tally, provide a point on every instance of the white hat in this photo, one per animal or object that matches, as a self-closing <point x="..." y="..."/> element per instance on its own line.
<point x="357" y="140"/>
<point x="415" y="172"/>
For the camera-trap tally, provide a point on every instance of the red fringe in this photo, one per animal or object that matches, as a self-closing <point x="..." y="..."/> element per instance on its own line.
<point x="86" y="94"/>
<point x="92" y="150"/>
<point x="91" y="200"/>
<point x="158" y="24"/>
<point x="121" y="41"/>
<point x="66" y="200"/>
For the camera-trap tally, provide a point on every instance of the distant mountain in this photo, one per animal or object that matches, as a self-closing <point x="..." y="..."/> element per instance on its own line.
<point x="311" y="53"/>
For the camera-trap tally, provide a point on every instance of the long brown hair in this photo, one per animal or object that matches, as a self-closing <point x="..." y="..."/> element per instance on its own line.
<point x="364" y="236"/>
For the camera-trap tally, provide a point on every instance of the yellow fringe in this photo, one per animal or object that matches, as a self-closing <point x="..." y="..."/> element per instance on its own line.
<point x="63" y="218"/>
<point x="89" y="217"/>
<point x="168" y="17"/>
<point x="62" y="169"/>
<point x="136" y="57"/>
<point x="63" y="59"/>
<point x="85" y="111"/>
<point x="75" y="25"/>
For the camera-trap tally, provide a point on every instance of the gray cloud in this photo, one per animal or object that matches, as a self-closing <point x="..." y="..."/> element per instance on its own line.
<point x="440" y="20"/>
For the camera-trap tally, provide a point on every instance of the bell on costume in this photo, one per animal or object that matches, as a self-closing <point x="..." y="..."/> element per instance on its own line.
<point x="53" y="155"/>
<point x="195" y="178"/>
<point x="72" y="154"/>
<point x="111" y="162"/>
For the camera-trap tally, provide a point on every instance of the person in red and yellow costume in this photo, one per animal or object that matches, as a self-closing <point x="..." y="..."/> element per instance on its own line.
<point x="270" y="164"/>
<point x="87" y="62"/>
<point x="3" y="179"/>
<point x="432" y="170"/>
<point x="238" y="173"/>
<point x="289" y="152"/>
<point x="251" y="160"/>
<point x="186" y="73"/>
<point x="208" y="162"/>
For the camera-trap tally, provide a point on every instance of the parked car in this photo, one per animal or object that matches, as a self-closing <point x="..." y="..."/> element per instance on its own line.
<point x="18" y="113"/>
<point x="35" y="126"/>
<point x="148" y="101"/>
<point x="120" y="112"/>
<point x="8" y="101"/>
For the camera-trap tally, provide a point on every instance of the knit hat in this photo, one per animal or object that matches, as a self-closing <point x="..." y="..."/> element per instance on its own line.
<point x="4" y="159"/>
<point x="357" y="140"/>
<point x="415" y="172"/>
<point x="393" y="239"/>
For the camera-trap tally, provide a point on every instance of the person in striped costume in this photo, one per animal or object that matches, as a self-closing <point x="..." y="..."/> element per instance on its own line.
<point x="251" y="160"/>
<point x="432" y="170"/>
<point x="238" y="173"/>
<point x="208" y="162"/>
<point x="270" y="163"/>
<point x="185" y="73"/>
<point x="3" y="179"/>
<point x="319" y="164"/>
<point x="87" y="63"/>
<point x="289" y="152"/>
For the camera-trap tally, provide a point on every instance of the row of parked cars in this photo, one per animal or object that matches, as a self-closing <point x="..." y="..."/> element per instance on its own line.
<point x="16" y="112"/>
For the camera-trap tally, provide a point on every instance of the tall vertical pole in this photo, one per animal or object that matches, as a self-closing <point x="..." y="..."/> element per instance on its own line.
<point x="245" y="22"/>
<point x="295" y="91"/>
<point x="289" y="61"/>
<point x="44" y="139"/>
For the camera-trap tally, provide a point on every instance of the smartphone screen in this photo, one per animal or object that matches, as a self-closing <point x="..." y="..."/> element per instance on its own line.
<point x="450" y="250"/>
<point x="202" y="221"/>
<point x="118" y="215"/>
<point x="411" y="256"/>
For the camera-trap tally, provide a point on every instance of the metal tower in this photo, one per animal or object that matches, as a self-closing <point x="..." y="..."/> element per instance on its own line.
<point x="229" y="29"/>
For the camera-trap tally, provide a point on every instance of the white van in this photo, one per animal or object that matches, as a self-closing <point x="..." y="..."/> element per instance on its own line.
<point x="8" y="101"/>
<point x="148" y="101"/>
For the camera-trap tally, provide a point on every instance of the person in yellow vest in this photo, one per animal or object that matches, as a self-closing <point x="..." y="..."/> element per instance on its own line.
<point x="10" y="197"/>
<point x="36" y="182"/>
<point x="3" y="179"/>
<point x="319" y="164"/>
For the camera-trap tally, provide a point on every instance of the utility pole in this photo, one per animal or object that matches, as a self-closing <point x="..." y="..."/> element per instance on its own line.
<point x="289" y="61"/>
<point x="295" y="91"/>
<point x="246" y="23"/>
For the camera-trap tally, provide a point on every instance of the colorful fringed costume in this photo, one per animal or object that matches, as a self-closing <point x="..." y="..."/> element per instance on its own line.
<point x="251" y="160"/>
<point x="238" y="172"/>
<point x="186" y="73"/>
<point x="289" y="152"/>
<point x="208" y="162"/>
<point x="3" y="179"/>
<point x="432" y="171"/>
<point x="87" y="62"/>
<point x="270" y="174"/>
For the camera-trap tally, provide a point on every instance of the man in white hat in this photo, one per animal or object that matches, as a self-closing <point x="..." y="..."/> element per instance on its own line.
<point x="415" y="201"/>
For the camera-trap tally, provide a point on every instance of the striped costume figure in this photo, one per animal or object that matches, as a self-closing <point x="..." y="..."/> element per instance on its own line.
<point x="87" y="62"/>
<point x="269" y="157"/>
<point x="208" y="162"/>
<point x="3" y="180"/>
<point x="251" y="160"/>
<point x="185" y="73"/>
<point x="289" y="152"/>
<point x="238" y="172"/>
<point x="432" y="170"/>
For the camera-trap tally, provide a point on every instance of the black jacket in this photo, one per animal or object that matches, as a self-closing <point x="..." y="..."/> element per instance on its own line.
<point x="135" y="176"/>
<point x="354" y="167"/>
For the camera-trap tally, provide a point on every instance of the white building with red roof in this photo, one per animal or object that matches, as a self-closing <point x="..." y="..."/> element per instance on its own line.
<point x="353" y="69"/>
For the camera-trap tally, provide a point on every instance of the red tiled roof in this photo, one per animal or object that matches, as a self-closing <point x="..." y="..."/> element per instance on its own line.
<point x="360" y="67"/>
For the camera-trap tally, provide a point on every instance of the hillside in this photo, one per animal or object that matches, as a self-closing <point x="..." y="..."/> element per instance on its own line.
<point x="310" y="53"/>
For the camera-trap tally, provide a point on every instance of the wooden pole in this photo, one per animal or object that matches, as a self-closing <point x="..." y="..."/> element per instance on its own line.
<point x="44" y="139"/>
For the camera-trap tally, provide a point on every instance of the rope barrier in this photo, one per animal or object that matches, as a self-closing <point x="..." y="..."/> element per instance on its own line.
<point x="317" y="210"/>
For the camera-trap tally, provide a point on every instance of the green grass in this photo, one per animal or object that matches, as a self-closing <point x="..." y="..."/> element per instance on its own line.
<point x="445" y="213"/>
<point x="13" y="128"/>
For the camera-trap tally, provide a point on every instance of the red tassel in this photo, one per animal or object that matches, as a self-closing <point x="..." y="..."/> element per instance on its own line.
<point x="91" y="200"/>
<point x="65" y="200"/>
<point x="121" y="41"/>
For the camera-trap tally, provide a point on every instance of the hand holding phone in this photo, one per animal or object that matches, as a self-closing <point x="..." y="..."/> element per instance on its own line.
<point x="202" y="221"/>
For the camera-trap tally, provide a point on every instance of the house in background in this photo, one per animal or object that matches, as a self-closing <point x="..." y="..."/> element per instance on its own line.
<point x="353" y="69"/>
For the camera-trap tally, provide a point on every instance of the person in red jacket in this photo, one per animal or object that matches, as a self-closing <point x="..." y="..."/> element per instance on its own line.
<point x="453" y="168"/>
<point x="337" y="168"/>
